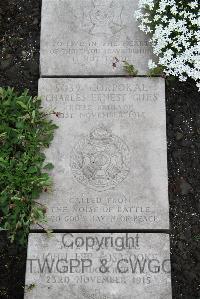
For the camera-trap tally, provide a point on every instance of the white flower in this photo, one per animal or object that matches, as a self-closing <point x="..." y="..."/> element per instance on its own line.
<point x="156" y="17"/>
<point x="182" y="78"/>
<point x="174" y="10"/>
<point x="151" y="64"/>
<point x="175" y="35"/>
<point x="193" y="4"/>
<point x="198" y="85"/>
<point x="142" y="27"/>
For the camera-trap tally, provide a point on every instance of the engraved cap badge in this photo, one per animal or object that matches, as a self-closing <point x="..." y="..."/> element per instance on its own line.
<point x="104" y="18"/>
<point x="100" y="160"/>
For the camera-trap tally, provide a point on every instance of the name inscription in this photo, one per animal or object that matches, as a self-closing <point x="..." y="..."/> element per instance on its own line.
<point x="102" y="152"/>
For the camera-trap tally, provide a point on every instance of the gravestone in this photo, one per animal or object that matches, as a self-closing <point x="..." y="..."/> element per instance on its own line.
<point x="80" y="38"/>
<point x="98" y="266"/>
<point x="110" y="159"/>
<point x="109" y="153"/>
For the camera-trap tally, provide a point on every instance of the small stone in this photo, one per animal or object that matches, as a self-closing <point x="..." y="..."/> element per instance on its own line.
<point x="189" y="275"/>
<point x="8" y="56"/>
<point x="187" y="234"/>
<point x="179" y="136"/>
<point x="32" y="67"/>
<point x="13" y="71"/>
<point x="185" y="187"/>
<point x="6" y="63"/>
<point x="35" y="21"/>
<point x="186" y="143"/>
<point x="24" y="53"/>
<point x="182" y="236"/>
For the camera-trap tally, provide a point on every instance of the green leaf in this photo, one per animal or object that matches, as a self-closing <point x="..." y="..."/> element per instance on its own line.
<point x="33" y="169"/>
<point x="130" y="69"/>
<point x="30" y="287"/>
<point x="22" y="175"/>
<point x="3" y="163"/>
<point x="22" y="105"/>
<point x="20" y="125"/>
<point x="49" y="233"/>
<point x="33" y="116"/>
<point x="157" y="71"/>
<point x="48" y="166"/>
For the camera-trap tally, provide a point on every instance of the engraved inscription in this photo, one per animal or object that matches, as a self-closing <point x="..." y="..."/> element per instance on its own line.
<point x="109" y="172"/>
<point x="83" y="37"/>
<point x="99" y="266"/>
<point x="101" y="160"/>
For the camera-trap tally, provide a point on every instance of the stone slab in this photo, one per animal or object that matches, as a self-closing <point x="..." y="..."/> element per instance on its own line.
<point x="109" y="153"/>
<point x="81" y="38"/>
<point x="98" y="266"/>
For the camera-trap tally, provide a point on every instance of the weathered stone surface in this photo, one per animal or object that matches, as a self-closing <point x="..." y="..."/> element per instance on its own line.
<point x="98" y="266"/>
<point x="109" y="153"/>
<point x="84" y="37"/>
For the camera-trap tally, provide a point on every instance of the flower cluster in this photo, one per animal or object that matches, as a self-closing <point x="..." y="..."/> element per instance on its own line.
<point x="175" y="29"/>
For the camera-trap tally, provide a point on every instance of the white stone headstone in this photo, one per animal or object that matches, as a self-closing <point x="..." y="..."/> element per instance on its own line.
<point x="98" y="266"/>
<point x="109" y="153"/>
<point x="80" y="38"/>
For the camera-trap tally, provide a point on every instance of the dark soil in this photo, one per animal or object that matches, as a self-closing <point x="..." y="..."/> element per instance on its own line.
<point x="19" y="68"/>
<point x="183" y="132"/>
<point x="19" y="43"/>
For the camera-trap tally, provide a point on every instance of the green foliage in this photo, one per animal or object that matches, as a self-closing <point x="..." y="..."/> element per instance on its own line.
<point x="49" y="233"/>
<point x="157" y="71"/>
<point x="130" y="69"/>
<point x="25" y="131"/>
<point x="30" y="287"/>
